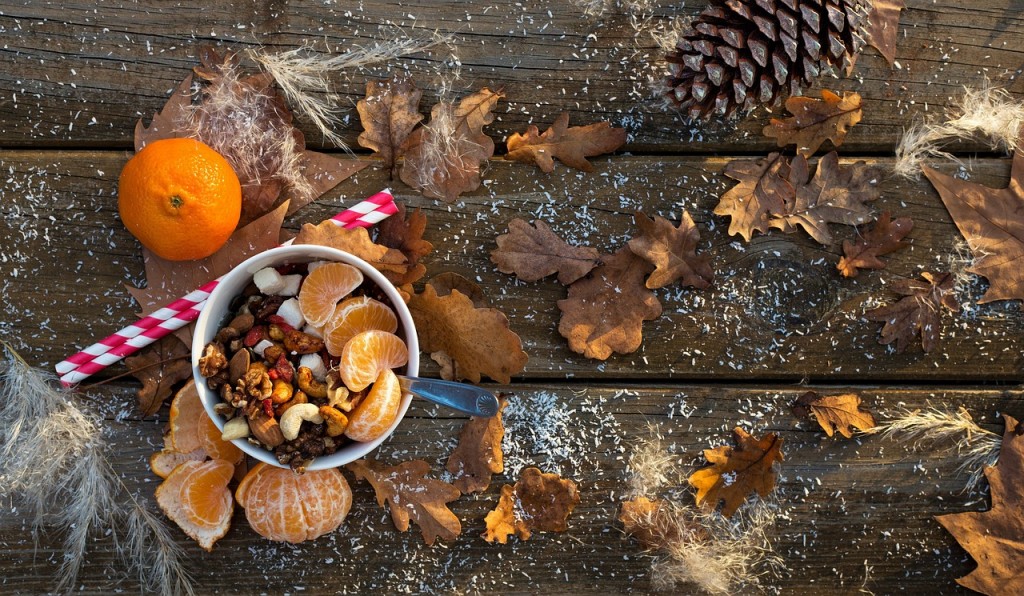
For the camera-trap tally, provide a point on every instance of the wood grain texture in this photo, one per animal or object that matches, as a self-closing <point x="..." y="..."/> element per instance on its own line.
<point x="779" y="309"/>
<point x="84" y="73"/>
<point x="843" y="504"/>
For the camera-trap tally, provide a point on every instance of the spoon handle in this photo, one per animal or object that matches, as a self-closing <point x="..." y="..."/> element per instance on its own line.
<point x="463" y="397"/>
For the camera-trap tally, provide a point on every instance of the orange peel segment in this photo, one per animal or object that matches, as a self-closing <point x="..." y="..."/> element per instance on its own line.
<point x="195" y="496"/>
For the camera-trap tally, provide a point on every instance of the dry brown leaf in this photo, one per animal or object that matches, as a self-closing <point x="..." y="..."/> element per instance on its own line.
<point x="406" y="235"/>
<point x="538" y="502"/>
<point x="355" y="241"/>
<point x="389" y="113"/>
<point x="672" y="251"/>
<point x="478" y="454"/>
<point x="160" y="366"/>
<point x="169" y="121"/>
<point x="650" y="522"/>
<point x="918" y="312"/>
<point x="444" y="283"/>
<point x="992" y="222"/>
<point x="883" y="27"/>
<point x="535" y="253"/>
<point x="474" y="341"/>
<point x="762" y="192"/>
<point x="604" y="312"/>
<point x="571" y="146"/>
<point x="834" y="412"/>
<point x="443" y="158"/>
<point x="169" y="280"/>
<point x="815" y="121"/>
<point x="411" y="495"/>
<point x="883" y="238"/>
<point x="736" y="472"/>
<point x="995" y="538"/>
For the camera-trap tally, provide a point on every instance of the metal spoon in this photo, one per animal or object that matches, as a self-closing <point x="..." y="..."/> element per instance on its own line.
<point x="466" y="398"/>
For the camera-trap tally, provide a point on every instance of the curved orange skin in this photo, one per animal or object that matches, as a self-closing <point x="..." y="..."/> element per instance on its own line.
<point x="192" y="428"/>
<point x="180" y="198"/>
<point x="377" y="411"/>
<point x="288" y="507"/>
<point x="196" y="497"/>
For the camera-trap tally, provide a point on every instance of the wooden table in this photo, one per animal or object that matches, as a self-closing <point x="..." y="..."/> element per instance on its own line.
<point x="856" y="515"/>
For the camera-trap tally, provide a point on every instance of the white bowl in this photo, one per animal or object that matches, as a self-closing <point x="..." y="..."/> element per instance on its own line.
<point x="215" y="314"/>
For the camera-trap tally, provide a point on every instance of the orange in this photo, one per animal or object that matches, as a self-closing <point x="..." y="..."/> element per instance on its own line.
<point x="324" y="287"/>
<point x="192" y="428"/>
<point x="354" y="316"/>
<point x="180" y="198"/>
<point x="196" y="497"/>
<point x="369" y="353"/>
<point x="377" y="411"/>
<point x="289" y="507"/>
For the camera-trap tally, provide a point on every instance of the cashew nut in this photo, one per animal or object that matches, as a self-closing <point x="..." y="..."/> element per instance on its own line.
<point x="282" y="391"/>
<point x="236" y="428"/>
<point x="292" y="419"/>
<point x="337" y="422"/>
<point x="337" y="392"/>
<point x="310" y="386"/>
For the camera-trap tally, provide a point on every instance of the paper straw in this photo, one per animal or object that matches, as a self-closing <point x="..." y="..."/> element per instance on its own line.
<point x="186" y="309"/>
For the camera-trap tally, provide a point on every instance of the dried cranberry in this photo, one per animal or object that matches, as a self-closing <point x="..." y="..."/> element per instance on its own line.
<point x="284" y="369"/>
<point x="254" y="336"/>
<point x="268" y="407"/>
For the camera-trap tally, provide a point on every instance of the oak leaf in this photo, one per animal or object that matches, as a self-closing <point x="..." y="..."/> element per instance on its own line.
<point x="604" y="312"/>
<point x="389" y="113"/>
<point x="411" y="495"/>
<point x="918" y="312"/>
<point x="444" y="283"/>
<point x="883" y="27"/>
<point x="883" y="238"/>
<point x="405" y="233"/>
<point x="652" y="523"/>
<point x="672" y="251"/>
<point x="815" y="121"/>
<point x="443" y="158"/>
<point x="160" y="367"/>
<point x="538" y="502"/>
<point x="478" y="454"/>
<point x="736" y="472"/>
<point x="467" y="341"/>
<point x="169" y="280"/>
<point x="569" y="145"/>
<point x="355" y="241"/>
<point x="762" y="192"/>
<point x="995" y="538"/>
<point x="992" y="222"/>
<point x="533" y="253"/>
<point x="834" y="412"/>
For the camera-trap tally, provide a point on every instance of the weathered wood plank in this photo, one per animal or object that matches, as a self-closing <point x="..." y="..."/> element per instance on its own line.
<point x="779" y="308"/>
<point x="82" y="77"/>
<point x="842" y="504"/>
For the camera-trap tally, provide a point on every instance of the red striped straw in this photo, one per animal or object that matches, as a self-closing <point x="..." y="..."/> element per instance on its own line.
<point x="186" y="309"/>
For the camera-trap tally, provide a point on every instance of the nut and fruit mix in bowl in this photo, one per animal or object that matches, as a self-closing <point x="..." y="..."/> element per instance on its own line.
<point x="295" y="355"/>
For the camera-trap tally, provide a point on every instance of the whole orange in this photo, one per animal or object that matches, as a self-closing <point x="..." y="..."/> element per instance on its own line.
<point x="180" y="198"/>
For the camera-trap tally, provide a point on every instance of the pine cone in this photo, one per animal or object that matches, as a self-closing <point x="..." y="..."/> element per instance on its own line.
<point x="741" y="53"/>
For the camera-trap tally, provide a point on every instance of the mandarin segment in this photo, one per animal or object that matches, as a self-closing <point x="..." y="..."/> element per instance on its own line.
<point x="284" y="506"/>
<point x="324" y="287"/>
<point x="367" y="354"/>
<point x="355" y="315"/>
<point x="196" y="497"/>
<point x="377" y="412"/>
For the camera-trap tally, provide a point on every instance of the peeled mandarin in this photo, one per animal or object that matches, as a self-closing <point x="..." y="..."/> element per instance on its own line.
<point x="352" y="317"/>
<point x="285" y="506"/>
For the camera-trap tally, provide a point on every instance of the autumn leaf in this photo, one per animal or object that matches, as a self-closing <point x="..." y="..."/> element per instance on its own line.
<point x="736" y="472"/>
<point x="467" y="341"/>
<point x="411" y="495"/>
<point x="538" y="502"/>
<point x="672" y="251"/>
<point x="405" y="233"/>
<point x="533" y="253"/>
<point x="834" y="412"/>
<point x="389" y="113"/>
<point x="604" y="312"/>
<point x="652" y="523"/>
<point x="478" y="454"/>
<point x="836" y="194"/>
<point x="444" y="283"/>
<point x="995" y="538"/>
<point x="883" y="238"/>
<point x="169" y="122"/>
<point x="762" y="191"/>
<point x="355" y="241"/>
<point x="992" y="222"/>
<point x="443" y="158"/>
<point x="569" y="145"/>
<point x="883" y="27"/>
<point x="815" y="121"/>
<point x="918" y="312"/>
<point x="169" y="280"/>
<point x="160" y="366"/>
